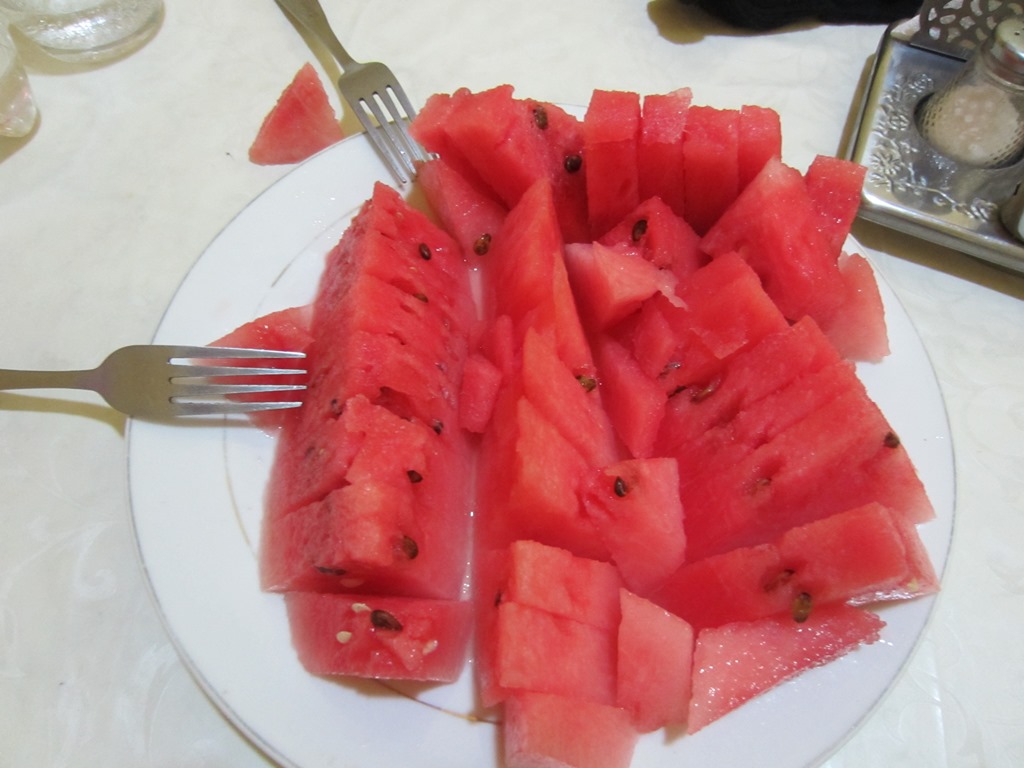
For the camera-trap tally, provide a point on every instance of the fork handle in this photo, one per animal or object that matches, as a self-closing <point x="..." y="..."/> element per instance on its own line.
<point x="14" y="379"/>
<point x="310" y="14"/>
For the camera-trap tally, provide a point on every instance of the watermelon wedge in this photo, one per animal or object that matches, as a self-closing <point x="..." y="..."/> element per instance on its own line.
<point x="301" y="123"/>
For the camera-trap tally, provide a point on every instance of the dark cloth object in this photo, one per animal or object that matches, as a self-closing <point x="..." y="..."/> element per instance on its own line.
<point x="769" y="14"/>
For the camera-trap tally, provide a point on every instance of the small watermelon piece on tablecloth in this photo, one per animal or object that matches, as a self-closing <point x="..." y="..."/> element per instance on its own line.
<point x="656" y="693"/>
<point x="736" y="662"/>
<point x="374" y="636"/>
<point x="301" y="123"/>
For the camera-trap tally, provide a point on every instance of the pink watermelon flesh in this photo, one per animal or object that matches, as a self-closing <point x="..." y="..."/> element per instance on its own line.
<point x="760" y="140"/>
<point x="656" y="693"/>
<point x="660" y="151"/>
<point x="857" y="326"/>
<point x="858" y="556"/>
<point x="481" y="381"/>
<point x="374" y="636"/>
<point x="633" y="504"/>
<point x="611" y="133"/>
<point x="662" y="237"/>
<point x="549" y="731"/>
<point x="711" y="158"/>
<point x="736" y="662"/>
<point x="834" y="186"/>
<point x="635" y="401"/>
<point x="301" y="123"/>
<point x="612" y="283"/>
<point x="470" y="215"/>
<point x="773" y="225"/>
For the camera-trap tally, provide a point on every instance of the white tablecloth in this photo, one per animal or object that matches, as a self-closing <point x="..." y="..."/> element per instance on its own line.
<point x="136" y="166"/>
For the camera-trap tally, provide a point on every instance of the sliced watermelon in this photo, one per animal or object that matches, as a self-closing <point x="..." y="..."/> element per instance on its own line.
<point x="301" y="123"/>
<point x="660" y="152"/>
<point x="549" y="731"/>
<point x="380" y="637"/>
<point x="661" y="236"/>
<point x="711" y="179"/>
<point x="656" y="693"/>
<point x="736" y="662"/>
<point x="611" y="133"/>
<point x="760" y="140"/>
<point x="469" y="214"/>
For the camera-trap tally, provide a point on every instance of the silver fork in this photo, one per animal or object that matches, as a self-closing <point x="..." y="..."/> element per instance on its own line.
<point x="156" y="382"/>
<point x="371" y="89"/>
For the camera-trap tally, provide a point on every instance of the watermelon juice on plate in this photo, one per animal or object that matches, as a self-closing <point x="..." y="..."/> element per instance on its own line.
<point x="236" y="638"/>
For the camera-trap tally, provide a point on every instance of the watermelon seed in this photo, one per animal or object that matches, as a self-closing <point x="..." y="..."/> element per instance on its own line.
<point x="438" y="426"/>
<point x="410" y="548"/>
<point x="425" y="252"/>
<point x="414" y="476"/>
<point x="620" y="487"/>
<point x="482" y="244"/>
<point x="360" y="608"/>
<point x="572" y="163"/>
<point x="589" y="383"/>
<point x="801" y="607"/>
<point x="330" y="571"/>
<point x="540" y="117"/>
<point x="429" y="647"/>
<point x="639" y="230"/>
<point x="384" y="620"/>
<point x="343" y="636"/>
<point x="336" y="407"/>
<point x="421" y="296"/>
<point x="677" y="390"/>
<point x="498" y="598"/>
<point x="703" y="394"/>
<point x="892" y="440"/>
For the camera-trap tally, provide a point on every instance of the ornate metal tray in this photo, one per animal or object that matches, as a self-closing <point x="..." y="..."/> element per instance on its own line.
<point x="909" y="186"/>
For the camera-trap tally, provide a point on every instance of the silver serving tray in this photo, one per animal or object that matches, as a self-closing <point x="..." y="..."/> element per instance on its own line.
<point x="909" y="186"/>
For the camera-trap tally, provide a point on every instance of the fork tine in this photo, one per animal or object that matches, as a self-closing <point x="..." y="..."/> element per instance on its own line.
<point x="382" y="133"/>
<point x="228" y="407"/>
<point x="228" y="353"/>
<point x="210" y="371"/>
<point x="185" y="391"/>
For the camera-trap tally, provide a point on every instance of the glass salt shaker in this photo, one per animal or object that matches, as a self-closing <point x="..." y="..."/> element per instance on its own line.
<point x="85" y="30"/>
<point x="978" y="118"/>
<point x="17" y="107"/>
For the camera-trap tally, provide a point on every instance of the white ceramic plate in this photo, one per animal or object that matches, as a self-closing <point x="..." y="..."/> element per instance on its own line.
<point x="196" y="495"/>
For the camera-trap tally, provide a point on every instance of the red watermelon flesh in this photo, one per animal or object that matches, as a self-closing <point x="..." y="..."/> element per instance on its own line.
<point x="286" y="330"/>
<point x="860" y="555"/>
<point x="635" y="402"/>
<point x="766" y="367"/>
<point x="840" y="446"/>
<point x="634" y="504"/>
<point x="661" y="236"/>
<point x="380" y="637"/>
<point x="481" y="380"/>
<point x="563" y="134"/>
<point x="660" y="151"/>
<point x="529" y="480"/>
<point x="572" y="406"/>
<point x="612" y="283"/>
<point x="656" y="693"/>
<point x="857" y="326"/>
<point x="528" y="279"/>
<point x="736" y="662"/>
<point x="468" y="214"/>
<point x="549" y="731"/>
<point x="611" y="133"/>
<point x="542" y="652"/>
<point x="760" y="140"/>
<point x="711" y="158"/>
<point x="773" y="226"/>
<point x="834" y="186"/>
<point x="301" y="123"/>
<point x="392" y="520"/>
